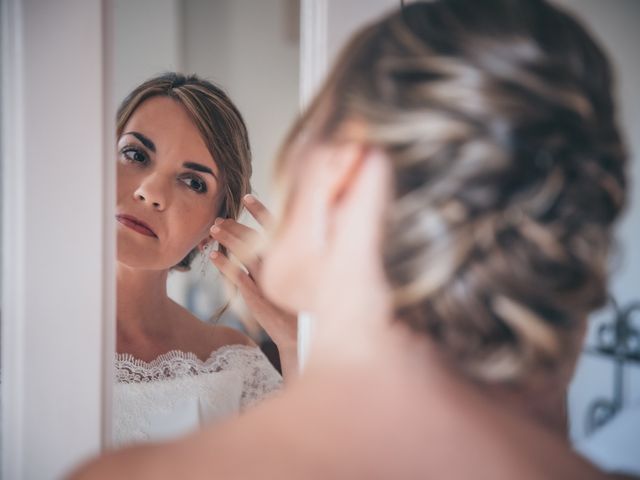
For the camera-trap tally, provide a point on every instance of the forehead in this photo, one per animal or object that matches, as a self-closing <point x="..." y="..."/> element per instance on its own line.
<point x="167" y="124"/>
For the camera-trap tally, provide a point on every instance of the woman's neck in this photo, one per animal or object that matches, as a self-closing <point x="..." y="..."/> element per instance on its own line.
<point x="143" y="307"/>
<point x="389" y="353"/>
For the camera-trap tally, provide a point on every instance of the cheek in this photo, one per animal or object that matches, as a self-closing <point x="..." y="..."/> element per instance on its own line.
<point x="138" y="252"/>
<point x="128" y="180"/>
<point x="188" y="225"/>
<point x="124" y="183"/>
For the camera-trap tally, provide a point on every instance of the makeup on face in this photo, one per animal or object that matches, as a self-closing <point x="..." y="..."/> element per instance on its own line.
<point x="141" y="156"/>
<point x="136" y="225"/>
<point x="167" y="185"/>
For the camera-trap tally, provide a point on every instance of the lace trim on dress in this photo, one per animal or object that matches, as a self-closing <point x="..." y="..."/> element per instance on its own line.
<point x="259" y="377"/>
<point x="177" y="364"/>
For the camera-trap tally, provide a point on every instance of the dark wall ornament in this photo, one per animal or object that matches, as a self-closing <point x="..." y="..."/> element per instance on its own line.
<point x="617" y="339"/>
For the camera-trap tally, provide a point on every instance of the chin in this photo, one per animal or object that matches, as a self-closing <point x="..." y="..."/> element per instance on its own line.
<point x="141" y="256"/>
<point x="136" y="261"/>
<point x="142" y="259"/>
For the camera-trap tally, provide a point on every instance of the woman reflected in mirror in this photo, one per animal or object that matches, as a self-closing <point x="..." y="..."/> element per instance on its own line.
<point x="183" y="170"/>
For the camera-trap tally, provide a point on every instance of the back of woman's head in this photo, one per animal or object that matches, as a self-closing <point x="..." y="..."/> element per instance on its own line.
<point x="220" y="124"/>
<point x="498" y="120"/>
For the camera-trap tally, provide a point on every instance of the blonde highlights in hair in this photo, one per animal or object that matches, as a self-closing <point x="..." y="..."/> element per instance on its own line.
<point x="508" y="169"/>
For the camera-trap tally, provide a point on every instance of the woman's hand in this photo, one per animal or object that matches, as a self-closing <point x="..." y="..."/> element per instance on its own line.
<point x="243" y="242"/>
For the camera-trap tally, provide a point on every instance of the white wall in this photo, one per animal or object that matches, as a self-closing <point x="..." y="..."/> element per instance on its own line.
<point x="56" y="237"/>
<point x="147" y="41"/>
<point x="2" y="81"/>
<point x="346" y="16"/>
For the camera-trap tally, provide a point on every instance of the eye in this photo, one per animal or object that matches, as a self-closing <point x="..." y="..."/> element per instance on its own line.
<point x="134" y="155"/>
<point x="195" y="183"/>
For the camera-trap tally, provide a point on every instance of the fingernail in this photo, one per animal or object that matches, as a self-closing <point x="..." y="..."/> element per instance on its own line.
<point x="215" y="229"/>
<point x="218" y="221"/>
<point x="249" y="198"/>
<point x="213" y="255"/>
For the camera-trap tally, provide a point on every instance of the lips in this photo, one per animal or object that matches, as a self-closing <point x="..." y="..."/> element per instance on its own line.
<point x="135" y="224"/>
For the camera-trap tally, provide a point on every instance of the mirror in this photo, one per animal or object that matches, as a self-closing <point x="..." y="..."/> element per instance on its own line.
<point x="250" y="50"/>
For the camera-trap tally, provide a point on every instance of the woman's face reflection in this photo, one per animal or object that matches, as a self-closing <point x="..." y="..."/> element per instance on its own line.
<point x="167" y="194"/>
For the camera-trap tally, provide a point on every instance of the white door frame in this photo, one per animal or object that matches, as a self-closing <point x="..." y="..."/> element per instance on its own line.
<point x="58" y="238"/>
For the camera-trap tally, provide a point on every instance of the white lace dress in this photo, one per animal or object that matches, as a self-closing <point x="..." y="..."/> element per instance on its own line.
<point x="177" y="392"/>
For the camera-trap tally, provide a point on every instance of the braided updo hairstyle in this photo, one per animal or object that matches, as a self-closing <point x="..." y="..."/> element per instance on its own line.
<point x="508" y="168"/>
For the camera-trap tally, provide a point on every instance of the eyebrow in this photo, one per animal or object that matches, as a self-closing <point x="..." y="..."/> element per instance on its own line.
<point x="199" y="168"/>
<point x="144" y="140"/>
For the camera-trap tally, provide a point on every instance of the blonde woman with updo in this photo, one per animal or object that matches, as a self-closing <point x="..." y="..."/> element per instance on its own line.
<point x="183" y="172"/>
<point x="448" y="202"/>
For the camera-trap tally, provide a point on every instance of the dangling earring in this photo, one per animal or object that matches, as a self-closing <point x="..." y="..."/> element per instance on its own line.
<point x="204" y="257"/>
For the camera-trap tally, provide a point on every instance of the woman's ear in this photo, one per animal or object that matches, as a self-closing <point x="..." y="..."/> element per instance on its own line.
<point x="357" y="198"/>
<point x="342" y="168"/>
<point x="358" y="189"/>
<point x="203" y="243"/>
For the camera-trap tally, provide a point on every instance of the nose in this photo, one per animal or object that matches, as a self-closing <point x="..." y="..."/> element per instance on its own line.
<point x="152" y="193"/>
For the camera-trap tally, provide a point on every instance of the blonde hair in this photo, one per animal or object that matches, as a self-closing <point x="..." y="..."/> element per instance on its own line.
<point x="508" y="170"/>
<point x="221" y="127"/>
